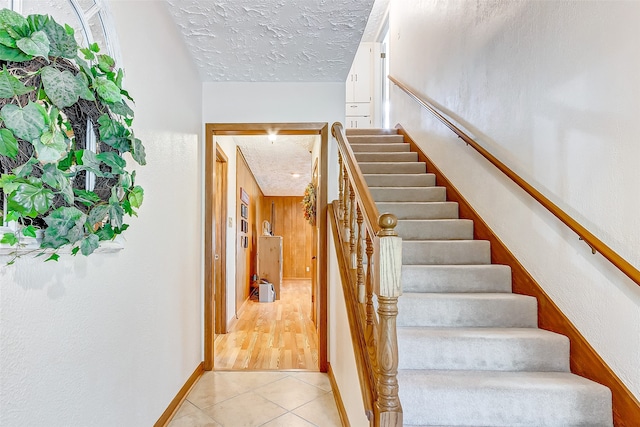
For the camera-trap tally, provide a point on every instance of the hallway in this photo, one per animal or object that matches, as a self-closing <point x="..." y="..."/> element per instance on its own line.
<point x="268" y="336"/>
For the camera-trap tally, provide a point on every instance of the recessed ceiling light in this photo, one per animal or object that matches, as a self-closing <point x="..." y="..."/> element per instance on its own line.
<point x="272" y="137"/>
<point x="295" y="175"/>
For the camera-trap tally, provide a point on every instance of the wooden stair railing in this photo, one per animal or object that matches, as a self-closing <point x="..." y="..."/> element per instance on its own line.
<point x="371" y="253"/>
<point x="594" y="243"/>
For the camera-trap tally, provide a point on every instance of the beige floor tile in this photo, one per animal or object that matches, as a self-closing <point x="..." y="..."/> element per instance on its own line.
<point x="247" y="380"/>
<point x="186" y="408"/>
<point x="290" y="392"/>
<point x="288" y="420"/>
<point x="197" y="419"/>
<point x="246" y="410"/>
<point x="317" y="379"/>
<point x="211" y="389"/>
<point x="321" y="411"/>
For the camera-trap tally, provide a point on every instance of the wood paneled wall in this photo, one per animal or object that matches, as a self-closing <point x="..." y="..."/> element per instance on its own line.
<point x="297" y="234"/>
<point x="246" y="258"/>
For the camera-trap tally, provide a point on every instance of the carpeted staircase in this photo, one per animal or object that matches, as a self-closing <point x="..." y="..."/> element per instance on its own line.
<point x="470" y="351"/>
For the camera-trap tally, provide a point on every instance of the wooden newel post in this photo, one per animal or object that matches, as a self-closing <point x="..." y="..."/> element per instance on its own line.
<point x="388" y="411"/>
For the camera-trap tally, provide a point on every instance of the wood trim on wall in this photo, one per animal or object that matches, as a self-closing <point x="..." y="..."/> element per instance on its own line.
<point x="182" y="394"/>
<point x="220" y="293"/>
<point x="342" y="411"/>
<point x="585" y="361"/>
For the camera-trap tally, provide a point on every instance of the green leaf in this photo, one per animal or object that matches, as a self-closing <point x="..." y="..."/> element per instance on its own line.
<point x="88" y="55"/>
<point x="29" y="231"/>
<point x="138" y="152"/>
<point x="89" y="244"/>
<point x="7" y="40"/>
<point x="106" y="232"/>
<point x="83" y="84"/>
<point x="115" y="215"/>
<point x="61" y="43"/>
<point x="113" y="133"/>
<point x="25" y="170"/>
<point x="27" y="123"/>
<point x="51" y="147"/>
<point x="65" y="225"/>
<point x="61" y="87"/>
<point x="53" y="257"/>
<point x="53" y="177"/>
<point x="8" y="144"/>
<point x="9" y="18"/>
<point x="85" y="197"/>
<point x="94" y="47"/>
<point x="37" y="44"/>
<point x="8" y="183"/>
<point x="113" y="160"/>
<point x="10" y="86"/>
<point x="9" y="239"/>
<point x="65" y="164"/>
<point x="120" y="108"/>
<point x="75" y="250"/>
<point x="14" y="55"/>
<point x="31" y="199"/>
<point x="37" y="22"/>
<point x="98" y="214"/>
<point x="136" y="195"/>
<point x="106" y="63"/>
<point x="107" y="90"/>
<point x="87" y="160"/>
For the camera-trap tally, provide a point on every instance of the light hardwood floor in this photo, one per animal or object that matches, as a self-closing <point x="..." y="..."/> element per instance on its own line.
<point x="277" y="335"/>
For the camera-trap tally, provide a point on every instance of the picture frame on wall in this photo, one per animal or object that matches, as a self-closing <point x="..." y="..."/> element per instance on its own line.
<point x="244" y="196"/>
<point x="244" y="211"/>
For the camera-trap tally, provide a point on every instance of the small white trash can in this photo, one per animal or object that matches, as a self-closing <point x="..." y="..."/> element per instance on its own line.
<point x="267" y="294"/>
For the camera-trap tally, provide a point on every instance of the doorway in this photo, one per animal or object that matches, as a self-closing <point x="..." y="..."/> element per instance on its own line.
<point x="319" y="285"/>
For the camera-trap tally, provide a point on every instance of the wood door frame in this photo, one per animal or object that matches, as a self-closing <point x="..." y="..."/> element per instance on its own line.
<point x="210" y="313"/>
<point x="220" y="289"/>
<point x="229" y="129"/>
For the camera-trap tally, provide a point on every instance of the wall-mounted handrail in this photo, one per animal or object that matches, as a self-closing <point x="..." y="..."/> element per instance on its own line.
<point x="594" y="243"/>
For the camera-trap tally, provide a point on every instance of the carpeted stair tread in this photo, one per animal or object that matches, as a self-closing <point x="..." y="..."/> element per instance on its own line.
<point x="381" y="147"/>
<point x="494" y="398"/>
<point x="478" y="310"/>
<point x="387" y="157"/>
<point x="449" y="252"/>
<point x="406" y="194"/>
<point x="499" y="349"/>
<point x="392" y="167"/>
<point x="400" y="180"/>
<point x="456" y="278"/>
<point x="435" y="229"/>
<point x="372" y="139"/>
<point x="420" y="210"/>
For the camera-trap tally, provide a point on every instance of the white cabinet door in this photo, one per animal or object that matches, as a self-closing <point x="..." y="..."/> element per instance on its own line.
<point x="358" y="83"/>
<point x="358" y="122"/>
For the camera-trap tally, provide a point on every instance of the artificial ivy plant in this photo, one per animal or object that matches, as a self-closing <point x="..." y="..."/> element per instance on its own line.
<point x="53" y="96"/>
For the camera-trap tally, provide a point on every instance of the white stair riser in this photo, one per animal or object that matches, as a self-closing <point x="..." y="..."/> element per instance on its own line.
<point x="456" y="278"/>
<point x="430" y="252"/>
<point x="467" y="310"/>
<point x="483" y="349"/>
<point x="400" y="180"/>
<point x="439" y="229"/>
<point x="392" y="167"/>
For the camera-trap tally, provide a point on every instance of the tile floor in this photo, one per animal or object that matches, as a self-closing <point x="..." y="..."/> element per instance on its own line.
<point x="252" y="399"/>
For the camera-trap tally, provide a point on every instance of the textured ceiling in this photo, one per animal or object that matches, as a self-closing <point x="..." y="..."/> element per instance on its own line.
<point x="376" y="21"/>
<point x="272" y="40"/>
<point x="272" y="163"/>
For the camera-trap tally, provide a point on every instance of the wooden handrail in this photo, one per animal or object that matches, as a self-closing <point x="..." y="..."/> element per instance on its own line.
<point x="594" y="243"/>
<point x="371" y="213"/>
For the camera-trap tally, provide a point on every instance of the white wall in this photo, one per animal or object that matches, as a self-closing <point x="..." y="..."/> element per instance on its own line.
<point x="110" y="339"/>
<point x="239" y="102"/>
<point x="341" y="352"/>
<point x="552" y="89"/>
